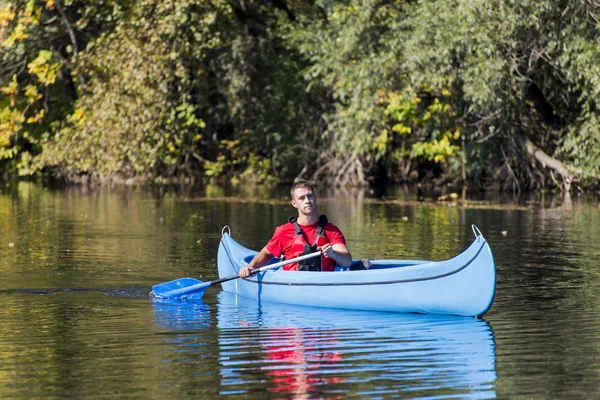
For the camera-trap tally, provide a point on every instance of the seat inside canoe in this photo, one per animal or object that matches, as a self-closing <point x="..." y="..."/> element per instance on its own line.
<point x="249" y="258"/>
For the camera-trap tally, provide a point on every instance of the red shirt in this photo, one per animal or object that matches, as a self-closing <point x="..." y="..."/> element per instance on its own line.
<point x="283" y="239"/>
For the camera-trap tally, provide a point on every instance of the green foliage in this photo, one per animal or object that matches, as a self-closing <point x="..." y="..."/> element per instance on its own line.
<point x="581" y="144"/>
<point x="37" y="68"/>
<point x="138" y="116"/>
<point x="521" y="69"/>
<point x="356" y="54"/>
<point x="263" y="91"/>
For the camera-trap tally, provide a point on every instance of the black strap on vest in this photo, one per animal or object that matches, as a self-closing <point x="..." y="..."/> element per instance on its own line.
<point x="312" y="264"/>
<point x="300" y="232"/>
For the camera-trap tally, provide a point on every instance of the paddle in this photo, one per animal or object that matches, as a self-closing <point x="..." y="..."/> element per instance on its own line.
<point x="187" y="286"/>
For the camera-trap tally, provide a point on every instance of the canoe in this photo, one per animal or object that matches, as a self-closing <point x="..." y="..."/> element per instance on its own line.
<point x="464" y="285"/>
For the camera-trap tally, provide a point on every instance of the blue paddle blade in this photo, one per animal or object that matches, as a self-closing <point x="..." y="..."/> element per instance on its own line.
<point x="162" y="288"/>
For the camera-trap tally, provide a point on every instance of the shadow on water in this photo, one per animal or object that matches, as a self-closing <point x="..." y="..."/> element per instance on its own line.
<point x="132" y="292"/>
<point x="276" y="350"/>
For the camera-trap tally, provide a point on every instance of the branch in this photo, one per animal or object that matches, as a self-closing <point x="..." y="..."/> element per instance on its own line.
<point x="67" y="24"/>
<point x="198" y="157"/>
<point x="546" y="160"/>
<point x="566" y="171"/>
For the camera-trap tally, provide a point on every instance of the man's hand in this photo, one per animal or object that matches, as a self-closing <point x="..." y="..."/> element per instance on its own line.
<point x="327" y="250"/>
<point x="338" y="252"/>
<point x="245" y="272"/>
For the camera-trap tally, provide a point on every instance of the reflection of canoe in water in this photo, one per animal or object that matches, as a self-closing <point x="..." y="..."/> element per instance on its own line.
<point x="275" y="350"/>
<point x="463" y="285"/>
<point x="352" y="350"/>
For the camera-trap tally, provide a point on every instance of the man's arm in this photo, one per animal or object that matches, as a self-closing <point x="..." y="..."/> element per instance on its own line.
<point x="259" y="260"/>
<point x="338" y="252"/>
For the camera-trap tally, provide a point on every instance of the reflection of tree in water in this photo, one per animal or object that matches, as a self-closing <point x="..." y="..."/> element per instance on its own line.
<point x="294" y="356"/>
<point x="554" y="272"/>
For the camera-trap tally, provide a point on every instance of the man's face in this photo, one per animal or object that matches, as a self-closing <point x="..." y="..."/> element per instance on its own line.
<point x="305" y="200"/>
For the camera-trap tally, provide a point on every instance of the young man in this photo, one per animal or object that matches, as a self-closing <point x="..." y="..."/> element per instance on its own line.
<point x="302" y="235"/>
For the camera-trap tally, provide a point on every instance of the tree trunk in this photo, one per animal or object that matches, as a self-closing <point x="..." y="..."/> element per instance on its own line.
<point x="568" y="173"/>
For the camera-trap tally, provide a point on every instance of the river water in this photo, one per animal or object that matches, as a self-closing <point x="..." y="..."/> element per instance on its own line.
<point x="76" y="320"/>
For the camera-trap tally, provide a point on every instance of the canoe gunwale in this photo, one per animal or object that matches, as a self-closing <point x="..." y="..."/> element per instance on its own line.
<point x="259" y="278"/>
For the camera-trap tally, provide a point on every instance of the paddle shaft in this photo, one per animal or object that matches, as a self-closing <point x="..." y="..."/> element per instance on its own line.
<point x="205" y="285"/>
<point x="266" y="267"/>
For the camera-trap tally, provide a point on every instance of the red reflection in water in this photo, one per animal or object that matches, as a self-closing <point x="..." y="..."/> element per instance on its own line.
<point x="297" y="356"/>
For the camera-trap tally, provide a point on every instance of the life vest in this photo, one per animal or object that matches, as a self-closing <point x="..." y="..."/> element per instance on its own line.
<point x="301" y="246"/>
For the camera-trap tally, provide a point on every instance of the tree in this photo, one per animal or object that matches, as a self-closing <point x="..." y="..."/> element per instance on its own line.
<point x="377" y="117"/>
<point x="345" y="92"/>
<point x="39" y="73"/>
<point x="525" y="75"/>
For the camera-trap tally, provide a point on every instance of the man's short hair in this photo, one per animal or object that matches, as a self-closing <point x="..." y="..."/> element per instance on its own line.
<point x="301" y="184"/>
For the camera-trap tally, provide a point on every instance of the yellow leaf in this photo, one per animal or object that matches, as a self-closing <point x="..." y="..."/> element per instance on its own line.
<point x="18" y="34"/>
<point x="32" y="94"/>
<point x="36" y="118"/>
<point x="6" y="15"/>
<point x="12" y="88"/>
<point x="45" y="72"/>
